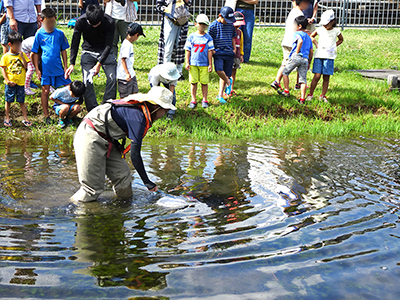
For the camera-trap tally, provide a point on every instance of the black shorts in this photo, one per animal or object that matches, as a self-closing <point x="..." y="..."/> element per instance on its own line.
<point x="127" y="88"/>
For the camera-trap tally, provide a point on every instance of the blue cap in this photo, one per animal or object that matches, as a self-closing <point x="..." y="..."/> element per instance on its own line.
<point x="228" y="14"/>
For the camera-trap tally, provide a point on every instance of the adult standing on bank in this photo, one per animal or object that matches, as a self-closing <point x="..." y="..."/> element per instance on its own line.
<point x="173" y="34"/>
<point x="98" y="152"/>
<point x="97" y="30"/>
<point x="24" y="15"/>
<point x="124" y="13"/>
<point x="246" y="7"/>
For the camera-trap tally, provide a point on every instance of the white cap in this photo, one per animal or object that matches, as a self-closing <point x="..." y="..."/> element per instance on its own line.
<point x="157" y="95"/>
<point x="327" y="17"/>
<point x="169" y="71"/>
<point x="202" y="19"/>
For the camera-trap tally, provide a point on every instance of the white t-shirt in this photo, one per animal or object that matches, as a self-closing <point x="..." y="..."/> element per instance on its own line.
<point x="126" y="52"/>
<point x="289" y="27"/>
<point x="118" y="11"/>
<point x="27" y="45"/>
<point x="155" y="78"/>
<point x="327" y="43"/>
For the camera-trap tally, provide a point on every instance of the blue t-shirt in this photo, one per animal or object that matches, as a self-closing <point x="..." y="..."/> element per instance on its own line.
<point x="52" y="43"/>
<point x="222" y="34"/>
<point x="199" y="45"/>
<point x="130" y="120"/>
<point x="64" y="95"/>
<point x="305" y="48"/>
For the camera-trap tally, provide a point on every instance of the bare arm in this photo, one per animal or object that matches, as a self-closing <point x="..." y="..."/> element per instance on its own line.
<point x="125" y="66"/>
<point x="299" y="45"/>
<point x="313" y="38"/>
<point x="24" y="63"/>
<point x="13" y="22"/>
<point x="187" y="54"/>
<point x="65" y="59"/>
<point x="210" y="56"/>
<point x="315" y="10"/>
<point x="252" y="2"/>
<point x="35" y="61"/>
<point x="310" y="57"/>
<point x="8" y="82"/>
<point x="340" y="41"/>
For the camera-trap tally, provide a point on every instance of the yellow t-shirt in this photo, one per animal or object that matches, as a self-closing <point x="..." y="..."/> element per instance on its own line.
<point x="14" y="67"/>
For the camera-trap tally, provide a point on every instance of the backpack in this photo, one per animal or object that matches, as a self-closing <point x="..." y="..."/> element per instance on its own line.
<point x="178" y="12"/>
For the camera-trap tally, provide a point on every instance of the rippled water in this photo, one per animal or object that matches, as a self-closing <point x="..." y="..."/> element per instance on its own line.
<point x="295" y="219"/>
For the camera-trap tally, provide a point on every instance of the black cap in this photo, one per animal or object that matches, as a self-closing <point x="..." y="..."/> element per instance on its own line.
<point x="134" y="28"/>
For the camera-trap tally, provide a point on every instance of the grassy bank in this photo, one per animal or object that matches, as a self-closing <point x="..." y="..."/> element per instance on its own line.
<point x="357" y="105"/>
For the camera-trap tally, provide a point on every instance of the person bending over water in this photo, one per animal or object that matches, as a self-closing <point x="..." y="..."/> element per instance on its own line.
<point x="98" y="152"/>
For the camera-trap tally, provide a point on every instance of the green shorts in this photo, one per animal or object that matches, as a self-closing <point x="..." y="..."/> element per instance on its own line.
<point x="199" y="74"/>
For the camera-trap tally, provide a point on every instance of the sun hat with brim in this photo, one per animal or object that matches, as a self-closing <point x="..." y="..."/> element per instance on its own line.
<point x="239" y="17"/>
<point x="158" y="95"/>
<point x="169" y="71"/>
<point x="327" y="17"/>
<point x="202" y="19"/>
<point x="227" y="13"/>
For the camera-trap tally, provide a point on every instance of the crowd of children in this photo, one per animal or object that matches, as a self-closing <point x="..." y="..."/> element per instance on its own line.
<point x="220" y="49"/>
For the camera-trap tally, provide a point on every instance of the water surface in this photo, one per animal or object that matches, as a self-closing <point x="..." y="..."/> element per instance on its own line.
<point x="298" y="219"/>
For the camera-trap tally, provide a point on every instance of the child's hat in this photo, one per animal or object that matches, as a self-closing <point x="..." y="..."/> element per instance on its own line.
<point x="227" y="13"/>
<point x="202" y="19"/>
<point x="134" y="28"/>
<point x="170" y="71"/>
<point x="327" y="17"/>
<point x="239" y="17"/>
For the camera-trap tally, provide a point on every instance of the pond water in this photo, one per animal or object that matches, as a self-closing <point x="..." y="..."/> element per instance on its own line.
<point x="298" y="219"/>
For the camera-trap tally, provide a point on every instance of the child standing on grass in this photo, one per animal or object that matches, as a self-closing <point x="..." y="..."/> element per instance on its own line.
<point x="329" y="38"/>
<point x="53" y="44"/>
<point x="300" y="57"/>
<point x="199" y="51"/>
<point x="298" y="7"/>
<point x="223" y="34"/>
<point x="68" y="101"/>
<point x="239" y="50"/>
<point x="127" y="82"/>
<point x="13" y="67"/>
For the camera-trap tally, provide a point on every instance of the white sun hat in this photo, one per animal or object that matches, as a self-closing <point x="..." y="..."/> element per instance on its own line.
<point x="202" y="19"/>
<point x="169" y="71"/>
<point x="157" y="95"/>
<point x="327" y="17"/>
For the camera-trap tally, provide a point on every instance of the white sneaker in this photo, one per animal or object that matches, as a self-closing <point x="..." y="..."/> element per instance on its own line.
<point x="323" y="98"/>
<point x="309" y="97"/>
<point x="29" y="92"/>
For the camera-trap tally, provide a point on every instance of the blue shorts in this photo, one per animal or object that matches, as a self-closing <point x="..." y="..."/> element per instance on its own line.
<point x="57" y="108"/>
<point x="14" y="92"/>
<point x="323" y="66"/>
<point x="55" y="81"/>
<point x="5" y="30"/>
<point x="224" y="62"/>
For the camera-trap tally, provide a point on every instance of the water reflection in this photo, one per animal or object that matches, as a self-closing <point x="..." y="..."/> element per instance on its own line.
<point x="286" y="218"/>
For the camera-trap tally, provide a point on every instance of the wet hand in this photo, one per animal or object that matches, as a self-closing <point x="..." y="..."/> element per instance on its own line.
<point x="154" y="189"/>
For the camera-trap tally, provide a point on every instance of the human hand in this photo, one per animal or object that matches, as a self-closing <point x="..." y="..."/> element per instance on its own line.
<point x="13" y="24"/>
<point x="210" y="68"/>
<point x="154" y="189"/>
<point x="311" y="20"/>
<point x="96" y="69"/>
<point x="39" y="74"/>
<point x="10" y="83"/>
<point x="241" y="59"/>
<point x="80" y="4"/>
<point x="69" y="71"/>
<point x="128" y="77"/>
<point x="187" y="67"/>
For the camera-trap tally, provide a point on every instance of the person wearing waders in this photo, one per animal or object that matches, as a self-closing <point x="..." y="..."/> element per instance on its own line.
<point x="98" y="151"/>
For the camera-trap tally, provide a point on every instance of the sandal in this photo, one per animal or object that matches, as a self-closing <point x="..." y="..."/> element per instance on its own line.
<point x="7" y="124"/>
<point x="27" y="123"/>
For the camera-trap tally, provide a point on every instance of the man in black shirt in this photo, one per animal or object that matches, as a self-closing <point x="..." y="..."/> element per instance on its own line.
<point x="97" y="30"/>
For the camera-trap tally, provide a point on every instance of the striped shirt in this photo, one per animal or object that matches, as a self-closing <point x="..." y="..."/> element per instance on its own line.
<point x="222" y="35"/>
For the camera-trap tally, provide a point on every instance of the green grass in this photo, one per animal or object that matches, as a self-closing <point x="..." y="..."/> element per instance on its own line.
<point x="358" y="105"/>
